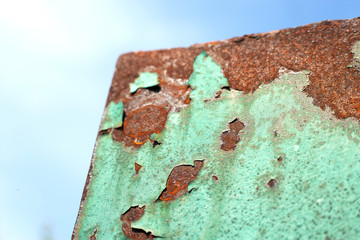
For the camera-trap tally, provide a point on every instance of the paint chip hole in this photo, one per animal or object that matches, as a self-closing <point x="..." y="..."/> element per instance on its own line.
<point x="272" y="183"/>
<point x="215" y="178"/>
<point x="226" y="88"/>
<point x="155" y="143"/>
<point x="155" y="89"/>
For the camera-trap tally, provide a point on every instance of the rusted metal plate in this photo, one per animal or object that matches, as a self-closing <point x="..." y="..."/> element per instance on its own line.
<point x="253" y="137"/>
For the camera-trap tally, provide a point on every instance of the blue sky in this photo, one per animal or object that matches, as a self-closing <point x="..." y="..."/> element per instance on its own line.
<point x="57" y="59"/>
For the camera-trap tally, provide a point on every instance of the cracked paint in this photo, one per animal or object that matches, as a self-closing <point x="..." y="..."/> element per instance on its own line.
<point x="250" y="196"/>
<point x="145" y="80"/>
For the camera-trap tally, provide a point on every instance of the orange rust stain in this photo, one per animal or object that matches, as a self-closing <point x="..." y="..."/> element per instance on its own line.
<point x="140" y="125"/>
<point x="137" y="167"/>
<point x="179" y="179"/>
<point x="131" y="215"/>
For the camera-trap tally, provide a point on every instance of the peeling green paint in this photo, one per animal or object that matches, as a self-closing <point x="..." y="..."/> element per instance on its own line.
<point x="318" y="180"/>
<point x="113" y="116"/>
<point x="145" y="80"/>
<point x="355" y="63"/>
<point x="205" y="83"/>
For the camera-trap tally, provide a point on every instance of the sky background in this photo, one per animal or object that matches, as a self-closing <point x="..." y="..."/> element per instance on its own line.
<point x="57" y="59"/>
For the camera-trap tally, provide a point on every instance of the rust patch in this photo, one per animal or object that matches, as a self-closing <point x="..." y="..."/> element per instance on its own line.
<point x="93" y="237"/>
<point x="322" y="48"/>
<point x="140" y="124"/>
<point x="279" y="159"/>
<point x="215" y="178"/>
<point x="131" y="215"/>
<point x="230" y="138"/>
<point x="137" y="167"/>
<point x="171" y="94"/>
<point x="179" y="179"/>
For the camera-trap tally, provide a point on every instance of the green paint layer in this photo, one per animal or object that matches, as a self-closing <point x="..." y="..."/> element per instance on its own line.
<point x="113" y="116"/>
<point x="318" y="180"/>
<point x="145" y="80"/>
<point x="355" y="63"/>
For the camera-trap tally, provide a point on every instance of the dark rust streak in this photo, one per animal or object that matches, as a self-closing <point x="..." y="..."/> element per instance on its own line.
<point x="230" y="138"/>
<point x="179" y="179"/>
<point x="131" y="215"/>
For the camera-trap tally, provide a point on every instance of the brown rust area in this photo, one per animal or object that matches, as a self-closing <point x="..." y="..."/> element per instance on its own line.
<point x="140" y="125"/>
<point x="179" y="179"/>
<point x="323" y="49"/>
<point x="131" y="215"/>
<point x="173" y="66"/>
<point x="137" y="167"/>
<point x="144" y="121"/>
<point x="230" y="138"/>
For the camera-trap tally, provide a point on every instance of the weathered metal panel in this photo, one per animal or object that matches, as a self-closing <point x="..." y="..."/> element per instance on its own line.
<point x="256" y="137"/>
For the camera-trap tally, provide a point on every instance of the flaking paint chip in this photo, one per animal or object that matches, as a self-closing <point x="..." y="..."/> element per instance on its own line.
<point x="113" y="116"/>
<point x="145" y="80"/>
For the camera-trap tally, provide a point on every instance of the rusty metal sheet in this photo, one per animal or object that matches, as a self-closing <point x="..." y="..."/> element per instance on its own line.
<point x="255" y="137"/>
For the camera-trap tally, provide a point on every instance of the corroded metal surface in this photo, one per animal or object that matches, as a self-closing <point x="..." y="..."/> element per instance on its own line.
<point x="179" y="179"/>
<point x="252" y="137"/>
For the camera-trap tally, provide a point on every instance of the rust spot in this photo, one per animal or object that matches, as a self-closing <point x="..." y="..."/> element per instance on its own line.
<point x="145" y="121"/>
<point x="131" y="215"/>
<point x="137" y="167"/>
<point x="215" y="178"/>
<point x="271" y="183"/>
<point x="140" y="124"/>
<point x="230" y="138"/>
<point x="93" y="237"/>
<point x="179" y="179"/>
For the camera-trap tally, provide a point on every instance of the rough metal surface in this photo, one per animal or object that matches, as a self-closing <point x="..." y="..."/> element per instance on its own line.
<point x="253" y="137"/>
